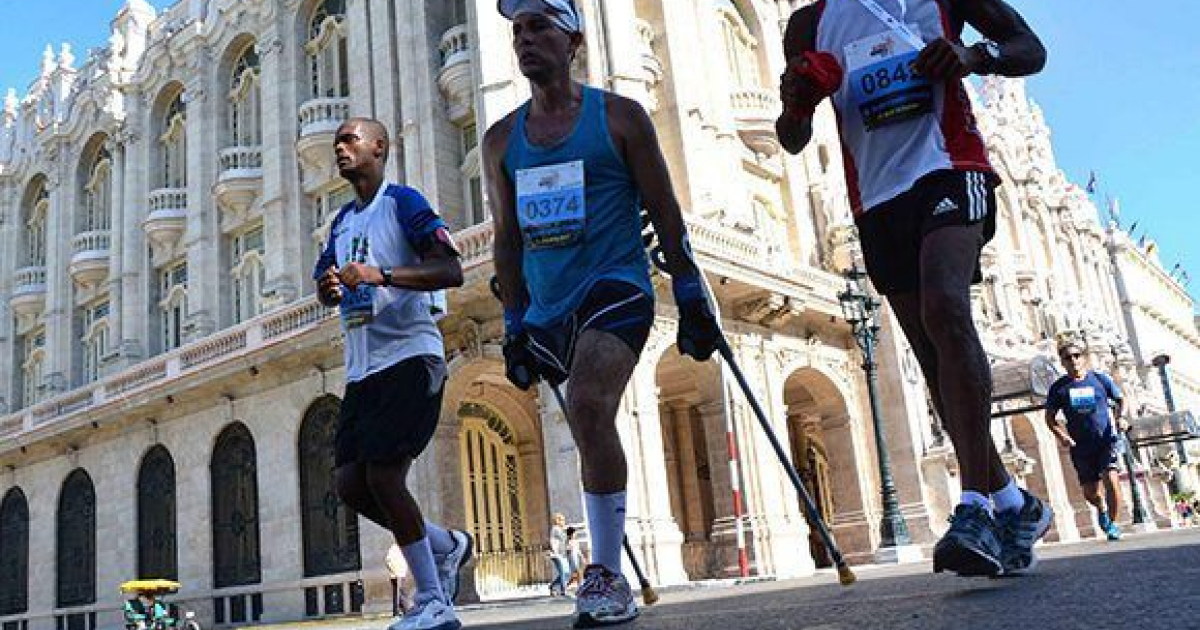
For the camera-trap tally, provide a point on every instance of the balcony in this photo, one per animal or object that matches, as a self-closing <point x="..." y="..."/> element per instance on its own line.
<point x="319" y="120"/>
<point x="166" y="222"/>
<point x="238" y="184"/>
<point x="89" y="257"/>
<point x="454" y="79"/>
<point x="754" y="112"/>
<point x="29" y="292"/>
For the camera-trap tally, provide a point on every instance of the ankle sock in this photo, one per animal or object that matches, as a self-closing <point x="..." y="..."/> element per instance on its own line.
<point x="1009" y="498"/>
<point x="971" y="497"/>
<point x="419" y="557"/>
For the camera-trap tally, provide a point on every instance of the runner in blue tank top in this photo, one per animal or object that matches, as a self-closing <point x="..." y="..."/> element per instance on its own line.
<point x="568" y="175"/>
<point x="1083" y="396"/>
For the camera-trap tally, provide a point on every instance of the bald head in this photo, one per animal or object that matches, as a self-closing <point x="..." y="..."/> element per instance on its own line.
<point x="371" y="130"/>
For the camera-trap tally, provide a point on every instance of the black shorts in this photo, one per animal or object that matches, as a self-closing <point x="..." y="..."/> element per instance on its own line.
<point x="892" y="232"/>
<point x="391" y="414"/>
<point x="1093" y="460"/>
<point x="613" y="306"/>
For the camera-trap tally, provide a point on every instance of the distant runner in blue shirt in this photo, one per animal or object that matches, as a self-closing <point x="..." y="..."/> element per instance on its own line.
<point x="1083" y="396"/>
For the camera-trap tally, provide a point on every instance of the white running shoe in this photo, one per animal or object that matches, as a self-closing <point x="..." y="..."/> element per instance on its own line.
<point x="431" y="615"/>
<point x="604" y="598"/>
<point x="450" y="566"/>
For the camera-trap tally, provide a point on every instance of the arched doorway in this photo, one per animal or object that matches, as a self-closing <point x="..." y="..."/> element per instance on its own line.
<point x="156" y="515"/>
<point x="822" y="449"/>
<point x="329" y="526"/>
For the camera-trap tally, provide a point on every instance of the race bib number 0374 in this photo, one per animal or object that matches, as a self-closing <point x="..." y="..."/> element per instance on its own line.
<point x="550" y="205"/>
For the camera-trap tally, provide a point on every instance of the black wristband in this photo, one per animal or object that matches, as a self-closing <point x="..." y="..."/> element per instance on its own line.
<point x="386" y="272"/>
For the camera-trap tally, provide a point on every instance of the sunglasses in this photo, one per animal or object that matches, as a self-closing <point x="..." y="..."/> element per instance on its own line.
<point x="1072" y="355"/>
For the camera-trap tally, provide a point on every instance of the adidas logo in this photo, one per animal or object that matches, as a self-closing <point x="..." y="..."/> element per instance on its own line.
<point x="946" y="205"/>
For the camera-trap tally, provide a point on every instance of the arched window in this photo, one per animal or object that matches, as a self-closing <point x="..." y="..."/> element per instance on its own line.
<point x="330" y="529"/>
<point x="741" y="47"/>
<point x="234" y="473"/>
<point x="492" y="482"/>
<point x="97" y="195"/>
<point x="95" y="339"/>
<point x="173" y="145"/>
<point x="248" y="273"/>
<point x="156" y="516"/>
<point x="35" y="228"/>
<point x="245" y="127"/>
<point x="475" y="210"/>
<point x="172" y="304"/>
<point x="326" y="49"/>
<point x="76" y="549"/>
<point x="14" y="553"/>
<point x="33" y="366"/>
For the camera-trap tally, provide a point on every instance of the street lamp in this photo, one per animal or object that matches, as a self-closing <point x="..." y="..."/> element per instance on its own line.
<point x="1161" y="362"/>
<point x="861" y="311"/>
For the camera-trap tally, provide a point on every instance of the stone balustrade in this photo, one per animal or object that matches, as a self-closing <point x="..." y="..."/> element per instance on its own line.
<point x="323" y="115"/>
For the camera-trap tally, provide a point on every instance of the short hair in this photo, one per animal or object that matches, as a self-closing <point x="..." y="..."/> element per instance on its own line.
<point x="378" y="129"/>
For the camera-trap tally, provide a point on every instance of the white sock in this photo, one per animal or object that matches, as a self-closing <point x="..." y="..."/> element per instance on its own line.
<point x="1009" y="498"/>
<point x="970" y="497"/>
<point x="440" y="540"/>
<point x="424" y="571"/>
<point x="606" y="526"/>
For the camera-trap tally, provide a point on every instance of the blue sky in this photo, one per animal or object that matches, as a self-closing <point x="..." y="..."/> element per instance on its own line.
<point x="1130" y="111"/>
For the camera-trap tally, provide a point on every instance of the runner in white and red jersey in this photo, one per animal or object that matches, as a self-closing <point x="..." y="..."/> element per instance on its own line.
<point x="922" y="191"/>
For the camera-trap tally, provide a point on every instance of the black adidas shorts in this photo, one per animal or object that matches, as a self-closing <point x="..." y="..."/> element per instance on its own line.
<point x="391" y="414"/>
<point x="892" y="232"/>
<point x="613" y="306"/>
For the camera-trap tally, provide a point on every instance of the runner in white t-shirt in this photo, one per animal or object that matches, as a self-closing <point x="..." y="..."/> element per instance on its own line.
<point x="387" y="250"/>
<point x="922" y="192"/>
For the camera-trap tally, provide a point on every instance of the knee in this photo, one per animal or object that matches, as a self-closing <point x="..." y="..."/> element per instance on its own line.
<point x="946" y="318"/>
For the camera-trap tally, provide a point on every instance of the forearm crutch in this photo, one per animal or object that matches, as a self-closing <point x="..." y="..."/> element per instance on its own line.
<point x="648" y="594"/>
<point x="845" y="575"/>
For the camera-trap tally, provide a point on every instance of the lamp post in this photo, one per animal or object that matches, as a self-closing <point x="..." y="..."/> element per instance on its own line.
<point x="861" y="311"/>
<point x="1160" y="362"/>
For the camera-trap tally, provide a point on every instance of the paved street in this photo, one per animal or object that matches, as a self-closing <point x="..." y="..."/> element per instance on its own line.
<point x="1146" y="582"/>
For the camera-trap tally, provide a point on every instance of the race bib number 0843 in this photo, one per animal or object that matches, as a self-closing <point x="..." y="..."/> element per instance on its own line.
<point x="884" y="82"/>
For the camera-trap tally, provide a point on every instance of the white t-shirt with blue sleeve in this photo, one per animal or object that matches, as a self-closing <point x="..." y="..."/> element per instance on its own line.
<point x="384" y="325"/>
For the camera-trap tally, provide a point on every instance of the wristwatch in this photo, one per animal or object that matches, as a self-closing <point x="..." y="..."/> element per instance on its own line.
<point x="989" y="56"/>
<point x="386" y="272"/>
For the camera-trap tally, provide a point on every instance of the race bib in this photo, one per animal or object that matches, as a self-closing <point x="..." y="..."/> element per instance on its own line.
<point x="1083" y="399"/>
<point x="358" y="306"/>
<point x="550" y="205"/>
<point x="884" y="83"/>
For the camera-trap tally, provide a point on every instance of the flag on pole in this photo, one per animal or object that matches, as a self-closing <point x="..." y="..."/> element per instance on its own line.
<point x="1091" y="185"/>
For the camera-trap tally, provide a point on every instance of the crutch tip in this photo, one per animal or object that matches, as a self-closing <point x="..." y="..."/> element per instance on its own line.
<point x="649" y="597"/>
<point x="845" y="575"/>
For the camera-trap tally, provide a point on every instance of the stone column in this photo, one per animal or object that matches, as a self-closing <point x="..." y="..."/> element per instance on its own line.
<point x="201" y="237"/>
<point x="359" y="50"/>
<point x="56" y="377"/>
<point x="563" y="487"/>
<point x="650" y="524"/>
<point x="10" y="233"/>
<point x="117" y="239"/>
<point x="137" y="275"/>
<point x="286" y="222"/>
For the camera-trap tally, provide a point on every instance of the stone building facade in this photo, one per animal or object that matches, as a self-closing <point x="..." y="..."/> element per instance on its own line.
<point x="168" y="384"/>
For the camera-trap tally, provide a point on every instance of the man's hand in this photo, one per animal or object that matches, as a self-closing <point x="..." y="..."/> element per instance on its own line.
<point x="357" y="273"/>
<point x="520" y="366"/>
<point x="329" y="287"/>
<point x="942" y="60"/>
<point x="810" y="78"/>
<point x="699" y="330"/>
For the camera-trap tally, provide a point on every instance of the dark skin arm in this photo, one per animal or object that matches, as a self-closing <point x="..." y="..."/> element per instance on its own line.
<point x="1021" y="54"/>
<point x="439" y="268"/>
<point x="509" y="247"/>
<point x="634" y="136"/>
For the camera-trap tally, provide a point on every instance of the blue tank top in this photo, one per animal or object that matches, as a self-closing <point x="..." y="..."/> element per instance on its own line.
<point x="579" y="214"/>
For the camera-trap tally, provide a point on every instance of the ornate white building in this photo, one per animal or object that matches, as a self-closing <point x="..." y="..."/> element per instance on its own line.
<point x="168" y="384"/>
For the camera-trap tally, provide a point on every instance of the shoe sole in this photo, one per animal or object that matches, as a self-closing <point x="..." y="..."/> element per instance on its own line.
<point x="458" y="567"/>
<point x="586" y="620"/>
<point x="966" y="562"/>
<point x="1043" y="527"/>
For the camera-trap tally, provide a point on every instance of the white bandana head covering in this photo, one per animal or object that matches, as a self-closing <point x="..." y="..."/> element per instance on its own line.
<point x="562" y="12"/>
